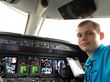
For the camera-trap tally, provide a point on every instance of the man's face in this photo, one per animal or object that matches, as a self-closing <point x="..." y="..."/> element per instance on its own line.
<point x="88" y="38"/>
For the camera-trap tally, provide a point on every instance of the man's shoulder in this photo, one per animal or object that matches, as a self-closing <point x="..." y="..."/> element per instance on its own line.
<point x="106" y="52"/>
<point x="107" y="48"/>
<point x="104" y="47"/>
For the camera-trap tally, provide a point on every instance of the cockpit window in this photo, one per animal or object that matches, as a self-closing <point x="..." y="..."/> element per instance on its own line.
<point x="66" y="29"/>
<point x="12" y="20"/>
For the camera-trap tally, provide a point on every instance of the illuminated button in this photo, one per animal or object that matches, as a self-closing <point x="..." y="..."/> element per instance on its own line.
<point x="33" y="80"/>
<point x="53" y="81"/>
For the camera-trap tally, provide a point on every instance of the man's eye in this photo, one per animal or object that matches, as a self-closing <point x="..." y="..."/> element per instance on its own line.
<point x="90" y="33"/>
<point x="79" y="35"/>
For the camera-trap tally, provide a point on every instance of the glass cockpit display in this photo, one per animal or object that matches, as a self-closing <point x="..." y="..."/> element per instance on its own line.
<point x="10" y="64"/>
<point x="46" y="66"/>
<point x="35" y="70"/>
<point x="23" y="69"/>
<point x="34" y="66"/>
<point x="49" y="65"/>
<point x="58" y="64"/>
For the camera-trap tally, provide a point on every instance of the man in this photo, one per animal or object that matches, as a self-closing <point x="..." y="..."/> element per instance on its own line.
<point x="97" y="66"/>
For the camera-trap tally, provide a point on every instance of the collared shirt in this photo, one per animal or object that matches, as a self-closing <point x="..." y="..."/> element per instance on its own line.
<point x="97" y="69"/>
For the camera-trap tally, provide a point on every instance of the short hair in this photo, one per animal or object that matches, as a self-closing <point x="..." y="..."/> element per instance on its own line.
<point x="95" y="24"/>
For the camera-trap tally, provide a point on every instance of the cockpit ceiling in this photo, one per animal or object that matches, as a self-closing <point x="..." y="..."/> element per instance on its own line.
<point x="51" y="10"/>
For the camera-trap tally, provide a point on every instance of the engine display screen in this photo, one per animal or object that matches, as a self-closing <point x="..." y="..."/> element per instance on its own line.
<point x="34" y="70"/>
<point x="46" y="66"/>
<point x="10" y="64"/>
<point x="23" y="70"/>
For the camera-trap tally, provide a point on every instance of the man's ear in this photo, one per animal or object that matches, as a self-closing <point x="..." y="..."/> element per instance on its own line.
<point x="101" y="35"/>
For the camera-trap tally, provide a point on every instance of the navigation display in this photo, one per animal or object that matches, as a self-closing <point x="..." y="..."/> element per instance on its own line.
<point x="46" y="66"/>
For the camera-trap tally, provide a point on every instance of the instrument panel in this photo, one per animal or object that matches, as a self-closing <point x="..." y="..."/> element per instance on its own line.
<point x="36" y="59"/>
<point x="34" y="68"/>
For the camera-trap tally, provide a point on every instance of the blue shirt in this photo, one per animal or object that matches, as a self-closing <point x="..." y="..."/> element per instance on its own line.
<point x="97" y="69"/>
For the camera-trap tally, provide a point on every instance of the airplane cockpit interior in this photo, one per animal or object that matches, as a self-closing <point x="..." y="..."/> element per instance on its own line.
<point x="29" y="57"/>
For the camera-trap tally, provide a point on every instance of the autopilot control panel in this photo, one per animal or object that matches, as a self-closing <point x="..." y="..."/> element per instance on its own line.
<point x="36" y="59"/>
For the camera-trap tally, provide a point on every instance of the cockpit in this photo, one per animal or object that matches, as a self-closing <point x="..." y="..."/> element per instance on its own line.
<point x="38" y="41"/>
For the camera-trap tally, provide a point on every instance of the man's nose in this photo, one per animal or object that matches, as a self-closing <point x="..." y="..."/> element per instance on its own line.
<point x="84" y="37"/>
